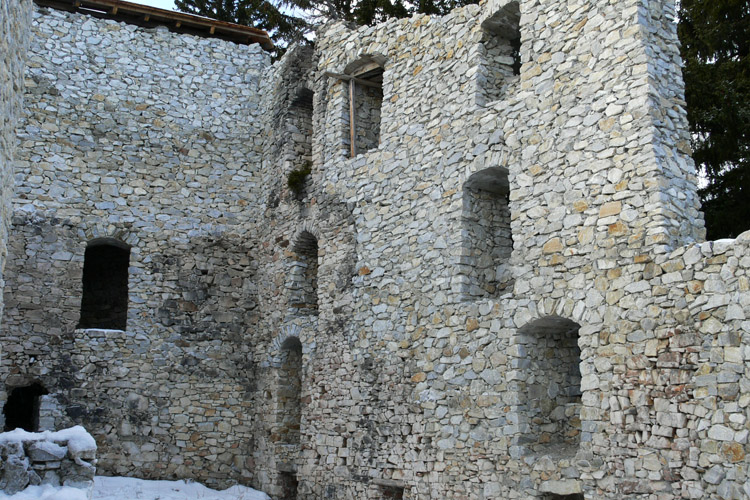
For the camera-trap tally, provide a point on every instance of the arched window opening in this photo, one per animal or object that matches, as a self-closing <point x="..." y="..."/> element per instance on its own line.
<point x="104" y="303"/>
<point x="22" y="408"/>
<point x="303" y="286"/>
<point x="500" y="52"/>
<point x="487" y="241"/>
<point x="551" y="397"/>
<point x="290" y="390"/>
<point x="364" y="102"/>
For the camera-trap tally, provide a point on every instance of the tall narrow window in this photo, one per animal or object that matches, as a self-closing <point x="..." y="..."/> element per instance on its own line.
<point x="365" y="99"/>
<point x="303" y="286"/>
<point x="298" y="148"/>
<point x="21" y="411"/>
<point x="486" y="236"/>
<point x="552" y="385"/>
<point x="104" y="303"/>
<point x="500" y="51"/>
<point x="290" y="389"/>
<point x="300" y="128"/>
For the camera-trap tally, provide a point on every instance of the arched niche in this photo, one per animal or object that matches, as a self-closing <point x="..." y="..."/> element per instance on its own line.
<point x="486" y="238"/>
<point x="549" y="385"/>
<point x="500" y="51"/>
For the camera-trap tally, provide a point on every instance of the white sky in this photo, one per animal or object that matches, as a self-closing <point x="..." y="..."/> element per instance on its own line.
<point x="162" y="4"/>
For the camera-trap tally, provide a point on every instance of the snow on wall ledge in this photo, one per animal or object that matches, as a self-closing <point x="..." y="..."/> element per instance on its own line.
<point x="66" y="457"/>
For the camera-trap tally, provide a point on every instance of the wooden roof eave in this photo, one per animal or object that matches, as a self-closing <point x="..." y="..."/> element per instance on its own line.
<point x="175" y="21"/>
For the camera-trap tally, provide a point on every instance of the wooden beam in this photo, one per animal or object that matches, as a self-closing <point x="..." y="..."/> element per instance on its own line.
<point x="366" y="83"/>
<point x="352" y="119"/>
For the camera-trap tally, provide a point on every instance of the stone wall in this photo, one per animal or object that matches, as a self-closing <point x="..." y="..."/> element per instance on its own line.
<point x="62" y="458"/>
<point x="15" y="18"/>
<point x="151" y="141"/>
<point x="507" y="394"/>
<point x="506" y="295"/>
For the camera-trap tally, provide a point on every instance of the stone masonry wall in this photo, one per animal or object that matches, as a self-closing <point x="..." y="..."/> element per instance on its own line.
<point x="505" y="296"/>
<point x="589" y="190"/>
<point x="62" y="458"/>
<point x="153" y="140"/>
<point x="15" y="19"/>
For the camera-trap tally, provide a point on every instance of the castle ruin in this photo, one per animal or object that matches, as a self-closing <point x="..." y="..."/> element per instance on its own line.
<point x="493" y="283"/>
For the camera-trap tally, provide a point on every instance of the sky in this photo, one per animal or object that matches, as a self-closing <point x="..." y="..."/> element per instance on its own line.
<point x="162" y="4"/>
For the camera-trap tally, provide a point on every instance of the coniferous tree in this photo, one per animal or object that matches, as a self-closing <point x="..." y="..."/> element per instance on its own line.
<point x="283" y="28"/>
<point x="276" y="16"/>
<point x="715" y="38"/>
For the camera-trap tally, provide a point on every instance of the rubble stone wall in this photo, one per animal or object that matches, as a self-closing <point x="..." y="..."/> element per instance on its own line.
<point x="600" y="190"/>
<point x="153" y="140"/>
<point x="63" y="458"/>
<point x="15" y="19"/>
<point x="506" y="295"/>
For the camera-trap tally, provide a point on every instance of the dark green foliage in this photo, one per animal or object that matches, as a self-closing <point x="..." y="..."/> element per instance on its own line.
<point x="441" y="7"/>
<point x="715" y="37"/>
<point x="264" y="14"/>
<point x="274" y="15"/>
<point x="368" y="12"/>
<point x="297" y="177"/>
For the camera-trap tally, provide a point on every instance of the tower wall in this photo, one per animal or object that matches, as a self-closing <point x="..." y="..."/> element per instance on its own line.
<point x="151" y="140"/>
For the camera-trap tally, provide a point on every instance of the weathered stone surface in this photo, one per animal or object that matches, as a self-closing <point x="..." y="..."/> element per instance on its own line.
<point x="43" y="458"/>
<point x="504" y="292"/>
<point x="15" y="19"/>
<point x="15" y="474"/>
<point x="44" y="451"/>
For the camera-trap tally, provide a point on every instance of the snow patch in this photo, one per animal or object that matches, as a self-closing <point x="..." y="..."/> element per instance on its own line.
<point x="128" y="488"/>
<point x="47" y="492"/>
<point x="77" y="438"/>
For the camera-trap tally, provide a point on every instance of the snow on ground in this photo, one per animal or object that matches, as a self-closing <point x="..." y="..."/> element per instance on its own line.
<point x="47" y="492"/>
<point x="126" y="488"/>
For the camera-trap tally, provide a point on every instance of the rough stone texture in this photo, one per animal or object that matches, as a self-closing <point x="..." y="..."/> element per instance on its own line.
<point x="505" y="294"/>
<point x="45" y="459"/>
<point x="152" y="139"/>
<point x="15" y="18"/>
